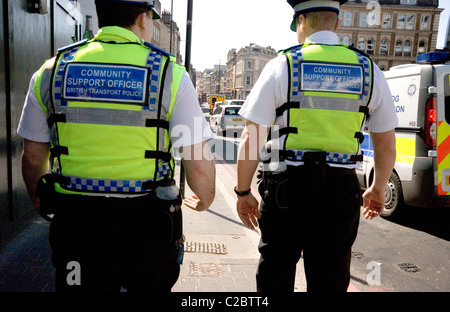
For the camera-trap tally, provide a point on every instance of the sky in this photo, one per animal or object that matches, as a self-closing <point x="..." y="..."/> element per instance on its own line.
<point x="221" y="25"/>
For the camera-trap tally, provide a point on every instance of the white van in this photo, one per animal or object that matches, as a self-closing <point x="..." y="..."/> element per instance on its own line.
<point x="421" y="176"/>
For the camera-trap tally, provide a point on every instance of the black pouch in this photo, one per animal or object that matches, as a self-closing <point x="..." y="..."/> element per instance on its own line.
<point x="49" y="199"/>
<point x="315" y="168"/>
<point x="172" y="209"/>
<point x="277" y="187"/>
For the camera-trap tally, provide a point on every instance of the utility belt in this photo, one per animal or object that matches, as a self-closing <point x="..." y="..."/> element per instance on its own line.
<point x="315" y="164"/>
<point x="281" y="187"/>
<point x="165" y="212"/>
<point x="51" y="201"/>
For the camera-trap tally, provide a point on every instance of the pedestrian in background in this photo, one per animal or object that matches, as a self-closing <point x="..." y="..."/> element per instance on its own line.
<point x="103" y="112"/>
<point x="317" y="96"/>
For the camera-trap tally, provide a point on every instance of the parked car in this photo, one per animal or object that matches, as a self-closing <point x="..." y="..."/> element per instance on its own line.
<point x="233" y="102"/>
<point x="226" y="117"/>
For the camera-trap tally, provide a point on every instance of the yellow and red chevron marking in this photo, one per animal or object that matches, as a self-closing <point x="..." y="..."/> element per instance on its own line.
<point x="443" y="157"/>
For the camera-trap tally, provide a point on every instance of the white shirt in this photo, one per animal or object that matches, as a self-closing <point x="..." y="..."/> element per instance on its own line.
<point x="187" y="125"/>
<point x="270" y="92"/>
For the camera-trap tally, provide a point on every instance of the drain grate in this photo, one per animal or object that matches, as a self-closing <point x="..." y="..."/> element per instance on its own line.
<point x="205" y="269"/>
<point x="409" y="267"/>
<point x="214" y="248"/>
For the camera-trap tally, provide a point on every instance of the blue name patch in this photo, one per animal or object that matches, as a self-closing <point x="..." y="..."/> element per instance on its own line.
<point x="331" y="77"/>
<point x="105" y="83"/>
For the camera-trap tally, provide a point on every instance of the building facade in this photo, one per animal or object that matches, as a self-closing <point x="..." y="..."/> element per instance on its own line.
<point x="244" y="67"/>
<point x="392" y="32"/>
<point x="166" y="35"/>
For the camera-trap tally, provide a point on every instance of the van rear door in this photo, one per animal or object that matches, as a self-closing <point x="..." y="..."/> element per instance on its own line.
<point x="443" y="129"/>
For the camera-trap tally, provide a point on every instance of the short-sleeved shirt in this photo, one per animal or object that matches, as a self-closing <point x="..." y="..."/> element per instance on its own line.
<point x="270" y="92"/>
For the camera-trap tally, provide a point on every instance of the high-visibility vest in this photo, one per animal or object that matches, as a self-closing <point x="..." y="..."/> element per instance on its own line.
<point x="108" y="111"/>
<point x="329" y="91"/>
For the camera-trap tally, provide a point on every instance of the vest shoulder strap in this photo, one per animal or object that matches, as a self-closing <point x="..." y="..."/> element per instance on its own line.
<point x="156" y="49"/>
<point x="73" y="45"/>
<point x="296" y="47"/>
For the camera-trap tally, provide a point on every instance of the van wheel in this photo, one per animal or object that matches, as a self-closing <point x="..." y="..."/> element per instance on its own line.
<point x="393" y="198"/>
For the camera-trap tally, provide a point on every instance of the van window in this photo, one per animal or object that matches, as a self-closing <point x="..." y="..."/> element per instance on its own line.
<point x="447" y="97"/>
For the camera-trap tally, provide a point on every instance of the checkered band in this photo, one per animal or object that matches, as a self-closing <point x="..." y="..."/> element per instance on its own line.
<point x="115" y="186"/>
<point x="154" y="62"/>
<point x="334" y="157"/>
<point x="297" y="56"/>
<point x="68" y="56"/>
<point x="365" y="62"/>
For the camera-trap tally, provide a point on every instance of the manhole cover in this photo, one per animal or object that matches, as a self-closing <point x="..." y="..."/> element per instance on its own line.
<point x="214" y="248"/>
<point x="409" y="267"/>
<point x="205" y="269"/>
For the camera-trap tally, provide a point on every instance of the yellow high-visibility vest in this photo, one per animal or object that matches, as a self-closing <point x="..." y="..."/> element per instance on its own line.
<point x="329" y="91"/>
<point x="108" y="109"/>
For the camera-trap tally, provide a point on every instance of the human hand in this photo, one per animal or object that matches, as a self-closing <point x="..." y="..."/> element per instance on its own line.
<point x="248" y="210"/>
<point x="194" y="203"/>
<point x="373" y="203"/>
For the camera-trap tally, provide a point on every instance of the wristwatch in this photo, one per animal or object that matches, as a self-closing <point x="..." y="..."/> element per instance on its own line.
<point x="243" y="193"/>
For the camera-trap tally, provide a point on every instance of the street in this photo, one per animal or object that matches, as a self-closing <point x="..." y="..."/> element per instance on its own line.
<point x="409" y="255"/>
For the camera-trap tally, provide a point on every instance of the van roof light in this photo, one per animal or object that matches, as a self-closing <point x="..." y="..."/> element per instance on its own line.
<point x="433" y="57"/>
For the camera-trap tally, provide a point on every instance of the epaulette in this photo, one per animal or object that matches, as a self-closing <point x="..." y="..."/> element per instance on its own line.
<point x="73" y="45"/>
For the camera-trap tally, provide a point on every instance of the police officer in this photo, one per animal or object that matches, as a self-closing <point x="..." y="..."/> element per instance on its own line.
<point x="318" y="96"/>
<point x="105" y="112"/>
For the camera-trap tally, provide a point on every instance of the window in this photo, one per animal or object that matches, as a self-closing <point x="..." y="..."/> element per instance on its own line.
<point x="384" y="46"/>
<point x="348" y="16"/>
<point x="362" y="44"/>
<point x="370" y="46"/>
<point x="248" y="80"/>
<point x="425" y="22"/>
<point x="410" y="21"/>
<point x="421" y="48"/>
<point x="346" y="40"/>
<point x="249" y="65"/>
<point x="408" y="1"/>
<point x="386" y="21"/>
<point x="407" y="48"/>
<point x="398" y="48"/>
<point x="232" y="110"/>
<point x="218" y="111"/>
<point x="401" y="21"/>
<point x="363" y="20"/>
<point x="447" y="96"/>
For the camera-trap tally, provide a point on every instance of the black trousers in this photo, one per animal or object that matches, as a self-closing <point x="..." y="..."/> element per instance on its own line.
<point x="115" y="242"/>
<point x="309" y="211"/>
